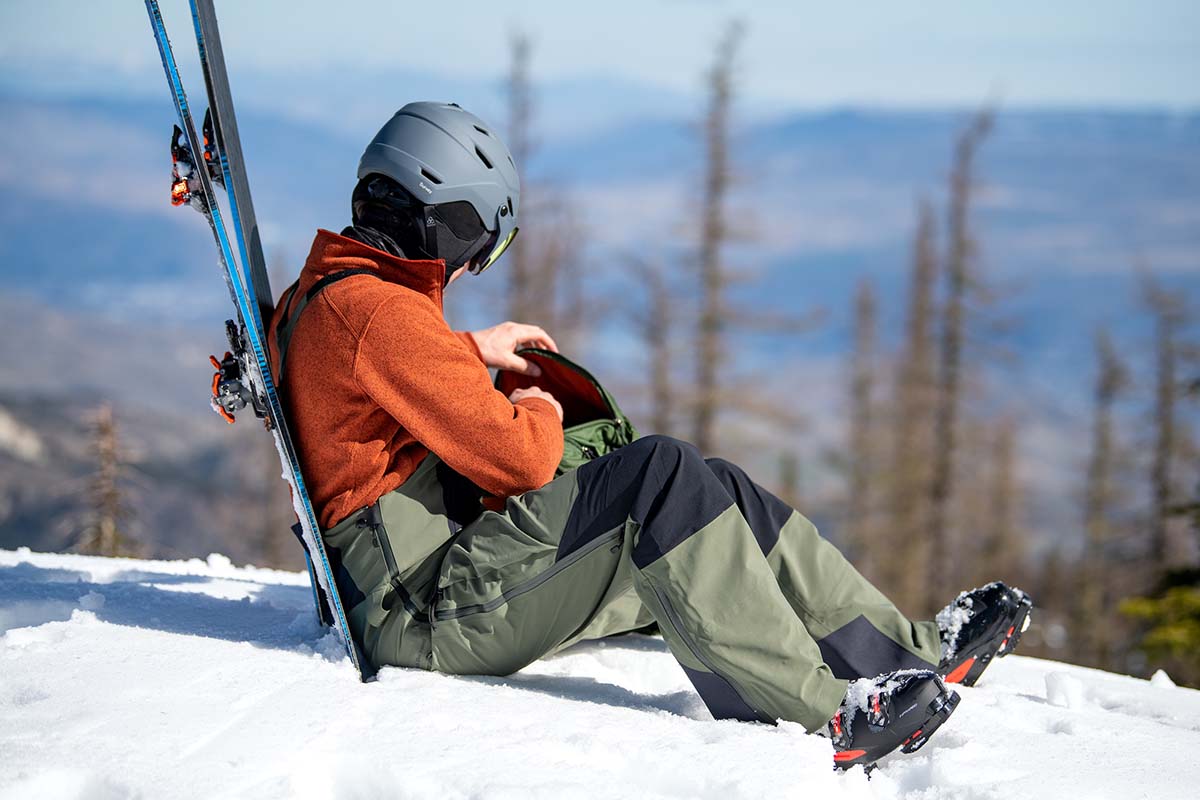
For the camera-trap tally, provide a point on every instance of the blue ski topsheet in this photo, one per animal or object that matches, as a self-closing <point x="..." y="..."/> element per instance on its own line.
<point x="249" y="317"/>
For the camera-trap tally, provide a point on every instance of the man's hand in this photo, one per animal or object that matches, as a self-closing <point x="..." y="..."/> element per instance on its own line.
<point x="533" y="391"/>
<point x="498" y="346"/>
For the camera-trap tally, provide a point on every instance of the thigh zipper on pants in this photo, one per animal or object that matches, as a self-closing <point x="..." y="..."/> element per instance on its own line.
<point x="527" y="586"/>
<point x="372" y="519"/>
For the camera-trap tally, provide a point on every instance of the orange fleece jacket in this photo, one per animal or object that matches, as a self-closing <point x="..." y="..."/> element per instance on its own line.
<point x="375" y="380"/>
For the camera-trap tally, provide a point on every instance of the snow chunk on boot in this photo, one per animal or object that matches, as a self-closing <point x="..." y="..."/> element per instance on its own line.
<point x="978" y="626"/>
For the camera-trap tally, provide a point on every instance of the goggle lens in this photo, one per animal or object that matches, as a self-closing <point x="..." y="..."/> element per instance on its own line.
<point x="497" y="251"/>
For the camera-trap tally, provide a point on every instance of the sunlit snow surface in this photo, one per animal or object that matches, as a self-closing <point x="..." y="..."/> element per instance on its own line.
<point x="123" y="678"/>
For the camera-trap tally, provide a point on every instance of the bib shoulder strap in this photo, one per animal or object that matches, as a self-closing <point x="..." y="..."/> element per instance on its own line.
<point x="287" y="323"/>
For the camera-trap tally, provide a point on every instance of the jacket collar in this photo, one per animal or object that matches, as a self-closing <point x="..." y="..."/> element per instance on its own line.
<point x="333" y="253"/>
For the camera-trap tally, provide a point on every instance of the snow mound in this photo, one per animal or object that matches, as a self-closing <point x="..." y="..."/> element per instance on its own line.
<point x="1065" y="691"/>
<point x="1161" y="678"/>
<point x="123" y="678"/>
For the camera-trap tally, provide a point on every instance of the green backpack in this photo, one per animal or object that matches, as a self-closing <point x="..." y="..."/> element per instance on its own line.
<point x="593" y="424"/>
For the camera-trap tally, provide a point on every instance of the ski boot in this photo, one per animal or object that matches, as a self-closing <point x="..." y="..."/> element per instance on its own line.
<point x="978" y="626"/>
<point x="897" y="710"/>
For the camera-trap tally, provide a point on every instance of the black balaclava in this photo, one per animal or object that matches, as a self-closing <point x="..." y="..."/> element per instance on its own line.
<point x="387" y="217"/>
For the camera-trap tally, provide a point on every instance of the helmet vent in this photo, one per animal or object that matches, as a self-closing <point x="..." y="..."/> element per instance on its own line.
<point x="433" y="178"/>
<point x="481" y="130"/>
<point x="482" y="157"/>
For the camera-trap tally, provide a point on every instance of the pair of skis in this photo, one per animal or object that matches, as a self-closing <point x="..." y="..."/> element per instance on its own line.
<point x="244" y="376"/>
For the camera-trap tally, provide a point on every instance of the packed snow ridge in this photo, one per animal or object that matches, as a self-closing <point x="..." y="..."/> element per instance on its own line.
<point x="122" y="678"/>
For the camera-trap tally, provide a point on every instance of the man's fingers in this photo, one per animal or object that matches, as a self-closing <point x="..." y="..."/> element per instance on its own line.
<point x="533" y="391"/>
<point x="533" y="336"/>
<point x="514" y="363"/>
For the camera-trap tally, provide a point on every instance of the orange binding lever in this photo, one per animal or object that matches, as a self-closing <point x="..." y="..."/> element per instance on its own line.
<point x="216" y="388"/>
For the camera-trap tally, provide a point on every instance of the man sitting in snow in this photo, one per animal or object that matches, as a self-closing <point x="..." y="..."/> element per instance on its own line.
<point x="456" y="549"/>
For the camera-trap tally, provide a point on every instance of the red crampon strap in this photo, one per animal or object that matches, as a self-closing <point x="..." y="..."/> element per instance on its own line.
<point x="216" y="388"/>
<point x="180" y="193"/>
<point x="181" y="170"/>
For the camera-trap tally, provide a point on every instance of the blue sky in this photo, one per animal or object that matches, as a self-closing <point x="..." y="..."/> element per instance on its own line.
<point x="798" y="54"/>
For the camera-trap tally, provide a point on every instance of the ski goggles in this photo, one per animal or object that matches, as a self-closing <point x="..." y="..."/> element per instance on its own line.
<point x="495" y="254"/>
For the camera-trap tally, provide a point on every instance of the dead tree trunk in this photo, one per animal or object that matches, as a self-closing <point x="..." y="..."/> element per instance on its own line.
<point x="653" y="322"/>
<point x="545" y="276"/>
<point x="711" y="327"/>
<point x="521" y="305"/>
<point x="1168" y="315"/>
<point x="1095" y="599"/>
<point x="959" y="280"/>
<point x="861" y="443"/>
<point x="1003" y="551"/>
<point x="106" y="533"/>
<point x="913" y="423"/>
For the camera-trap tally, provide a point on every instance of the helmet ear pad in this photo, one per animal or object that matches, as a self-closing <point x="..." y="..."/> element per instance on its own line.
<point x="450" y="231"/>
<point x="460" y="232"/>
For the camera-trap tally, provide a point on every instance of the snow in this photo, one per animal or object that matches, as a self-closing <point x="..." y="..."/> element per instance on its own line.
<point x="197" y="679"/>
<point x="18" y="440"/>
<point x="859" y="692"/>
<point x="1065" y="691"/>
<point x="950" y="621"/>
<point x="1161" y="678"/>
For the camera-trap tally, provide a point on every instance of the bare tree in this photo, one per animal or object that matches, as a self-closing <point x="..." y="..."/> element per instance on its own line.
<point x="960" y="280"/>
<point x="714" y="280"/>
<point x="543" y="264"/>
<point x="913" y="422"/>
<point x="861" y="445"/>
<point x="520" y="116"/>
<point x="1095" y="597"/>
<point x="106" y="533"/>
<point x="559" y="302"/>
<point x="1169" y="316"/>
<point x="1003" y="545"/>
<point x="654" y="323"/>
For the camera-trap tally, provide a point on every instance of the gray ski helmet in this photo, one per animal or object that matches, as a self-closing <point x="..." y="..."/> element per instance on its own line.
<point x="442" y="154"/>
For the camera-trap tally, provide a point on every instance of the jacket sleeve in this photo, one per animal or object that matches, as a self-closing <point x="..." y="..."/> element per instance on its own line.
<point x="435" y="385"/>
<point x="472" y="345"/>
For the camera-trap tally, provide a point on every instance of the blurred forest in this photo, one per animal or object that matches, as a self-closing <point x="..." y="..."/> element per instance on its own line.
<point x="932" y="495"/>
<point x="932" y="498"/>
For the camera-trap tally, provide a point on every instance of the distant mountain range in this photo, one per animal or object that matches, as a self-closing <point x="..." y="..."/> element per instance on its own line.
<point x="108" y="290"/>
<point x="822" y="199"/>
